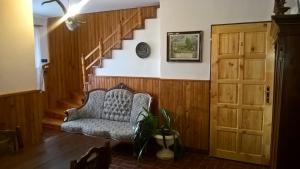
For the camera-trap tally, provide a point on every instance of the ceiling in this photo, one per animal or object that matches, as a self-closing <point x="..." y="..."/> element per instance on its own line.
<point x="52" y="9"/>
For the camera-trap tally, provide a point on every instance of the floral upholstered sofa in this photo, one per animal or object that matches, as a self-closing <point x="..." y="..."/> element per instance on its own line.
<point x="111" y="114"/>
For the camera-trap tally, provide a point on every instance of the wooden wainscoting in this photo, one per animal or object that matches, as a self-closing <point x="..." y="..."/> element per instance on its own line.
<point x="66" y="48"/>
<point x="24" y="109"/>
<point x="187" y="99"/>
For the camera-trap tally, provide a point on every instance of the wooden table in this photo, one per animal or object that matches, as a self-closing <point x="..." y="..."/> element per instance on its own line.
<point x="54" y="153"/>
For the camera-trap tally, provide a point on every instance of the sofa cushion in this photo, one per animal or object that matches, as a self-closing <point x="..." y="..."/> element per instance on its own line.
<point x="100" y="127"/>
<point x="117" y="105"/>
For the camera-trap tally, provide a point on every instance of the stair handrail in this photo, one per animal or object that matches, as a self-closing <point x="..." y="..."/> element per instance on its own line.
<point x="100" y="47"/>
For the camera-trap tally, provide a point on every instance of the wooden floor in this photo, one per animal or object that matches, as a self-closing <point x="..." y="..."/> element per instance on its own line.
<point x="123" y="159"/>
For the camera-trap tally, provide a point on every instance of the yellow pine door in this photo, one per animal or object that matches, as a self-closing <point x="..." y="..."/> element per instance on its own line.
<point x="241" y="92"/>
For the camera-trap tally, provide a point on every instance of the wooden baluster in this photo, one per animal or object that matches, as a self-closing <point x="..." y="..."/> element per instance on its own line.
<point x="83" y="74"/>
<point x="140" y="18"/>
<point x="100" y="52"/>
<point x="120" y="31"/>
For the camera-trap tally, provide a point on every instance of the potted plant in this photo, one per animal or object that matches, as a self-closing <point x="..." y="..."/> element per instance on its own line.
<point x="148" y="126"/>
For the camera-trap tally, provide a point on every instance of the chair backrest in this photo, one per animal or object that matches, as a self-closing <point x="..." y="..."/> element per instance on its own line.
<point x="95" y="158"/>
<point x="13" y="138"/>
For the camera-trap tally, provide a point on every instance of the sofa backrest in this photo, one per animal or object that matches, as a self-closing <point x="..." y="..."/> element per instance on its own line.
<point x="94" y="105"/>
<point x="117" y="105"/>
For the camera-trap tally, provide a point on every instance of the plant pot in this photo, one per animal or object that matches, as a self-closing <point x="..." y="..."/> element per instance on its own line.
<point x="165" y="153"/>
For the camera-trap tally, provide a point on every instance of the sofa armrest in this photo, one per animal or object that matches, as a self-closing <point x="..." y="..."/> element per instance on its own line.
<point x="71" y="114"/>
<point x="140" y="102"/>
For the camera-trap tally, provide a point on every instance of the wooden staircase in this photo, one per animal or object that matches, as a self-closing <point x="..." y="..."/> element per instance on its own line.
<point x="104" y="49"/>
<point x="53" y="117"/>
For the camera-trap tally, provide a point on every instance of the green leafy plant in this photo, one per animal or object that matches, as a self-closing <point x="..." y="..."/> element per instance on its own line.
<point x="147" y="125"/>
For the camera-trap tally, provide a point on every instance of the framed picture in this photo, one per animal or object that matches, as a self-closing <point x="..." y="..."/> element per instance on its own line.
<point x="184" y="46"/>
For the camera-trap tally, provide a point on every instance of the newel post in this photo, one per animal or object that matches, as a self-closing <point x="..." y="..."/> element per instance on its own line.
<point x="100" y="52"/>
<point x="101" y="48"/>
<point x="83" y="73"/>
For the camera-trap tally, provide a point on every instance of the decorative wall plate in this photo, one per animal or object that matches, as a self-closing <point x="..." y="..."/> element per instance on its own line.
<point x="143" y="50"/>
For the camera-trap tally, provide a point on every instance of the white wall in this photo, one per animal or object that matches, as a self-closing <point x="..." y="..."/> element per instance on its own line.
<point x="17" y="63"/>
<point x="194" y="15"/>
<point x="126" y="63"/>
<point x="43" y="22"/>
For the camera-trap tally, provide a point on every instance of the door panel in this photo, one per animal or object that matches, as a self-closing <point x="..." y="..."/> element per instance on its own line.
<point x="254" y="69"/>
<point x="227" y="117"/>
<point x="253" y="94"/>
<point x="255" y="43"/>
<point x="241" y="72"/>
<point x="228" y="93"/>
<point x="231" y="67"/>
<point x="228" y="43"/>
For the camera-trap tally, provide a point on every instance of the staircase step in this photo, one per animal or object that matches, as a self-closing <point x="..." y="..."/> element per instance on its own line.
<point x="129" y="36"/>
<point x="68" y="103"/>
<point x="77" y="97"/>
<point x="108" y="55"/>
<point x="51" y="123"/>
<point x="118" y="46"/>
<point x="56" y="113"/>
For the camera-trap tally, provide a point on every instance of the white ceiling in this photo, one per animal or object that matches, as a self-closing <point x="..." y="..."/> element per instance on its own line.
<point x="52" y="9"/>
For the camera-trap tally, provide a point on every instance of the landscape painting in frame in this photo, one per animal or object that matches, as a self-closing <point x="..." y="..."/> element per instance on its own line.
<point x="184" y="46"/>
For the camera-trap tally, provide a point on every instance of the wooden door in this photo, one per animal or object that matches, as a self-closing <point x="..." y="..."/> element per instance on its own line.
<point x="242" y="69"/>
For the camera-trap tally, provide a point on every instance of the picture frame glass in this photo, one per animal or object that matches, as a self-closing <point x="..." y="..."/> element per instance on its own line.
<point x="184" y="46"/>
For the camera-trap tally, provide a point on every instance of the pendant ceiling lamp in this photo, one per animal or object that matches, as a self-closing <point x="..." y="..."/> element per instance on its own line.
<point x="70" y="15"/>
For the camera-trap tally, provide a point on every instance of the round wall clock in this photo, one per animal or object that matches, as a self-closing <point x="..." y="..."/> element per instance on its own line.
<point x="143" y="50"/>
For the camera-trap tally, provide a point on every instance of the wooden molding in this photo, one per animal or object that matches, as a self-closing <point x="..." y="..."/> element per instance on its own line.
<point x="20" y="93"/>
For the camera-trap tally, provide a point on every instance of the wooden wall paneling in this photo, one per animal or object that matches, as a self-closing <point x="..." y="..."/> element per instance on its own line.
<point x="26" y="110"/>
<point x="188" y="101"/>
<point x="62" y="73"/>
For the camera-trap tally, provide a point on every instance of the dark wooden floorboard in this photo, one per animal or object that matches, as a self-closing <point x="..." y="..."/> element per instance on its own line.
<point x="123" y="158"/>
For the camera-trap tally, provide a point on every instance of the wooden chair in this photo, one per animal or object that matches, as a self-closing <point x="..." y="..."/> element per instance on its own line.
<point x="95" y="158"/>
<point x="11" y="139"/>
